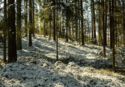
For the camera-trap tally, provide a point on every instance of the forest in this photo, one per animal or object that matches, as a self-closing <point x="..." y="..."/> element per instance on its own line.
<point x="62" y="43"/>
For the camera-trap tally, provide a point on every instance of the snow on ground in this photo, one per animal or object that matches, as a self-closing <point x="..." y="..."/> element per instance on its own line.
<point x="79" y="66"/>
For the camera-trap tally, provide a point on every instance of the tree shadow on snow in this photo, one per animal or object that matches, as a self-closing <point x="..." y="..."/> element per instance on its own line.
<point x="48" y="78"/>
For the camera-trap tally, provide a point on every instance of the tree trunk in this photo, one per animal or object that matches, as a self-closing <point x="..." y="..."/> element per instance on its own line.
<point x="94" y="21"/>
<point x="50" y="30"/>
<point x="44" y="28"/>
<point x="54" y="32"/>
<point x="123" y="22"/>
<point x="26" y="17"/>
<point x="33" y="31"/>
<point x="99" y="24"/>
<point x="5" y="32"/>
<point x="67" y="22"/>
<point x="30" y="20"/>
<point x="12" y="53"/>
<point x="110" y="24"/>
<point x="19" y="41"/>
<point x="92" y="17"/>
<point x="113" y="47"/>
<point x="82" y="23"/>
<point x="104" y="55"/>
<point x="106" y="23"/>
<point x="76" y="22"/>
<point x="79" y="22"/>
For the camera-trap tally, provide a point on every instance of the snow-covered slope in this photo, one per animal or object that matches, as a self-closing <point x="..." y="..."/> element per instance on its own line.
<point x="78" y="67"/>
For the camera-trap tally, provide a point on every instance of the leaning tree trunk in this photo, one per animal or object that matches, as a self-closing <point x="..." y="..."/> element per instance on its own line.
<point x="30" y="20"/>
<point x="19" y="41"/>
<point x="5" y="32"/>
<point x="12" y="54"/>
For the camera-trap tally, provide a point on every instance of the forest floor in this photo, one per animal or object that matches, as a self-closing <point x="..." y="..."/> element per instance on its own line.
<point x="78" y="66"/>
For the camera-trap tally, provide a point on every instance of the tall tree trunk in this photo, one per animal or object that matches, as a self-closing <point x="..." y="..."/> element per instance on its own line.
<point x="79" y="22"/>
<point x="19" y="41"/>
<point x="92" y="17"/>
<point x="54" y="31"/>
<point x="115" y="24"/>
<point x="106" y="23"/>
<point x="79" y="31"/>
<point x="26" y="17"/>
<point x="5" y="32"/>
<point x="30" y="20"/>
<point x="33" y="31"/>
<point x="104" y="55"/>
<point x="94" y="21"/>
<point x="76" y="22"/>
<point x="50" y="17"/>
<point x="67" y="22"/>
<point x="99" y="24"/>
<point x="113" y="47"/>
<point x="12" y="53"/>
<point x="110" y="24"/>
<point x="123" y="2"/>
<point x="44" y="24"/>
<point x="82" y="23"/>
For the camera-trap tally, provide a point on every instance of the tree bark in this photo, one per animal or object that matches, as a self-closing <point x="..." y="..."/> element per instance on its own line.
<point x="67" y="23"/>
<point x="30" y="20"/>
<point x="113" y="47"/>
<point x="110" y="24"/>
<point x="94" y="21"/>
<point x="26" y="17"/>
<point x="104" y="55"/>
<point x="12" y="53"/>
<point x="54" y="31"/>
<point x="5" y="32"/>
<point x="19" y="41"/>
<point x="82" y="23"/>
<point x="123" y="21"/>
<point x="92" y="17"/>
<point x="33" y="31"/>
<point x="76" y="22"/>
<point x="106" y="23"/>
